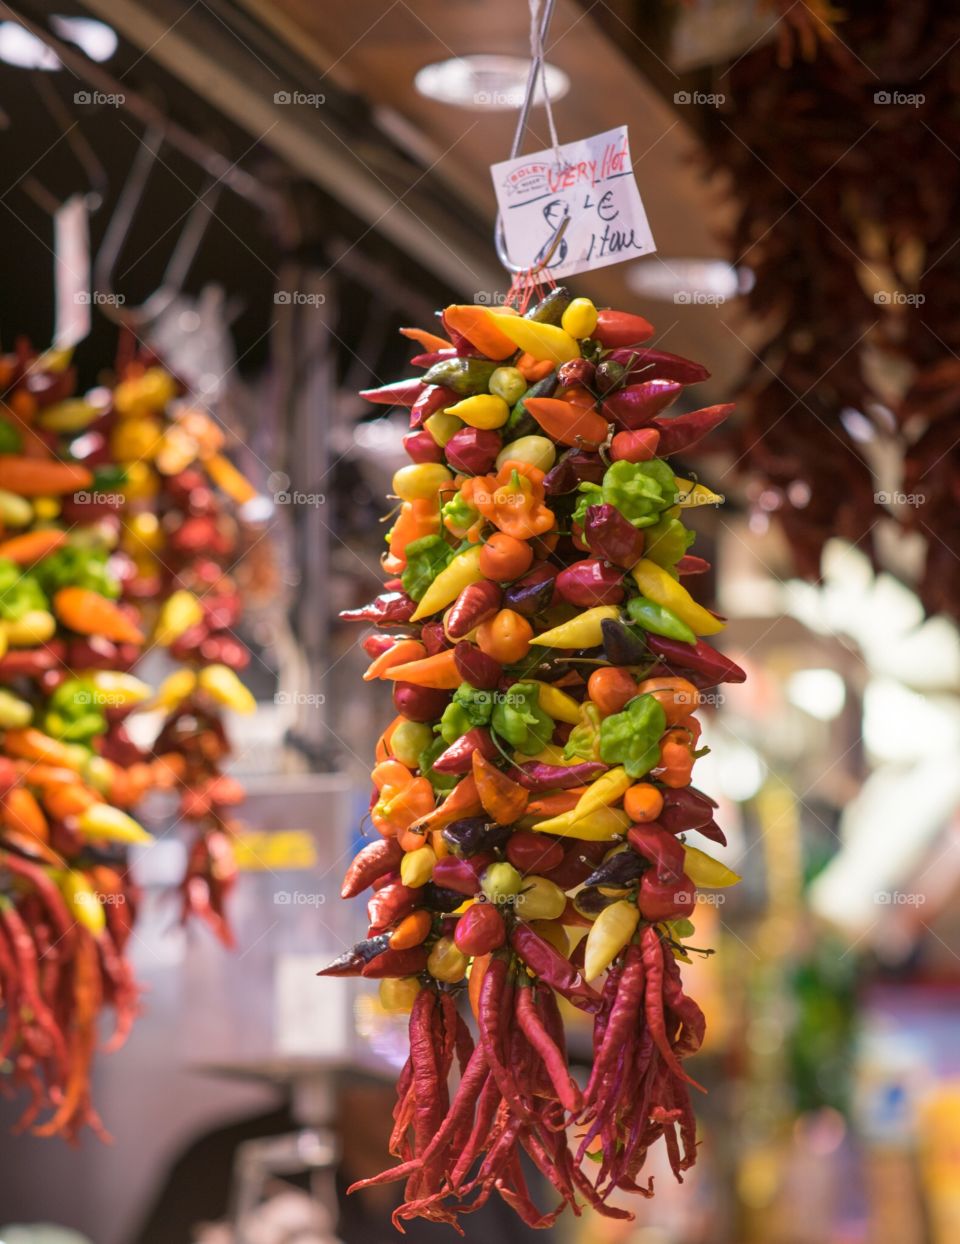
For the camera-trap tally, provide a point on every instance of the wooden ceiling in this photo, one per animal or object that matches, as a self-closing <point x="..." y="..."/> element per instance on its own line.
<point x="374" y="49"/>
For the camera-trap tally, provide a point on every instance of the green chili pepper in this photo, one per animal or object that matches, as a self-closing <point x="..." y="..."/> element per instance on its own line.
<point x="632" y="738"/>
<point x="519" y="719"/>
<point x="19" y="593"/>
<point x="468" y="708"/>
<point x="521" y="422"/>
<point x="465" y="376"/>
<point x="426" y="558"/>
<point x="439" y="781"/>
<point x="73" y="713"/>
<point x="661" y="621"/>
<point x="584" y="740"/>
<point x="667" y="541"/>
<point x="640" y="490"/>
<point x="11" y="442"/>
<point x="458" y="514"/>
<point x="590" y="494"/>
<point x="73" y="566"/>
<point x="550" y="309"/>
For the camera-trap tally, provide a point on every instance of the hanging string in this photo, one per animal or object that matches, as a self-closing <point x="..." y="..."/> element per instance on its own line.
<point x="528" y="281"/>
<point x="538" y="34"/>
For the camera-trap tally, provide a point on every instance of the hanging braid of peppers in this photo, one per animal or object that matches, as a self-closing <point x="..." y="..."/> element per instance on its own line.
<point x="532" y="795"/>
<point x="182" y="538"/>
<point x="67" y="904"/>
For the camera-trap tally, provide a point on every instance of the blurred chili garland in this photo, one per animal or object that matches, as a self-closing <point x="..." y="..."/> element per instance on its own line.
<point x="843" y="145"/>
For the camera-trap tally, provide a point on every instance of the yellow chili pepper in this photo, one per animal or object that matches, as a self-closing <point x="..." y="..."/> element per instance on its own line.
<point x="557" y="703"/>
<point x="463" y="570"/>
<point x="690" y="494"/>
<point x="181" y="611"/>
<point x="72" y="415"/>
<point x="608" y="935"/>
<point x="102" y="820"/>
<point x="14" y="511"/>
<point x="599" y="825"/>
<point x="34" y="627"/>
<point x="174" y="688"/>
<point x="580" y="318"/>
<point x="119" y="690"/>
<point x="416" y="867"/>
<point x="446" y="962"/>
<point x="704" y="870"/>
<point x="421" y="481"/>
<point x="583" y="631"/>
<point x="14" y="712"/>
<point x="540" y="341"/>
<point x="82" y="900"/>
<point x="398" y="994"/>
<point x="607" y="789"/>
<point x="443" y="427"/>
<point x="483" y="410"/>
<point x="660" y="587"/>
<point x="229" y="480"/>
<point x="222" y="683"/>
<point x="552" y="754"/>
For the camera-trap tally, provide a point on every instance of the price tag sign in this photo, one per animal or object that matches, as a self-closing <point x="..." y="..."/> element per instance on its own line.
<point x="594" y="183"/>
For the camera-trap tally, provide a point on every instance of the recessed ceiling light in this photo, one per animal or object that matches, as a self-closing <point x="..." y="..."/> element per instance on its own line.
<point x="97" y="39"/>
<point x="488" y="83"/>
<point x="24" y="50"/>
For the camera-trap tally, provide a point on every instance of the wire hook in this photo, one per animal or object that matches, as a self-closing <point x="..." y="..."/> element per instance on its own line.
<point x="547" y="251"/>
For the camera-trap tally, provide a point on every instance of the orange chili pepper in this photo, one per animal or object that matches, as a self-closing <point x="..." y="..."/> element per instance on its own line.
<point x="512" y="500"/>
<point x="566" y="423"/>
<point x="556" y="804"/>
<point x="32" y="546"/>
<point x="36" y="477"/>
<point x="89" y="613"/>
<point x="478" y="970"/>
<point x="415" y="520"/>
<point x="533" y="369"/>
<point x="412" y="930"/>
<point x="676" y="759"/>
<point x="402" y="651"/>
<point x="479" y="329"/>
<point x="438" y="671"/>
<point x="676" y="696"/>
<point x="463" y="800"/>
<point x="398" y="808"/>
<point x="29" y="743"/>
<point x="390" y="773"/>
<point x="20" y="811"/>
<point x="63" y="801"/>
<point x="427" y="341"/>
<point x="501" y="797"/>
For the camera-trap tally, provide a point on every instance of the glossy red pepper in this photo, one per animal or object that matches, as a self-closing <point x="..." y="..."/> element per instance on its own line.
<point x="480" y="930"/>
<point x="636" y="405"/>
<point x="611" y="536"/>
<point x="680" y="432"/>
<point x="475" y="604"/>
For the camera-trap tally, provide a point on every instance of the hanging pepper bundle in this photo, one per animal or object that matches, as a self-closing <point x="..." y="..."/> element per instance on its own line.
<point x="532" y="795"/>
<point x="67" y="642"/>
<point x="181" y="538"/>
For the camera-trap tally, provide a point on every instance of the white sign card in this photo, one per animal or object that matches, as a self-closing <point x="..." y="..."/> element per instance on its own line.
<point x="595" y="184"/>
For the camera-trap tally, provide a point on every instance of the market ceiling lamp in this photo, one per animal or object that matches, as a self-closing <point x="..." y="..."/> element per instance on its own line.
<point x="486" y="82"/>
<point x="24" y="50"/>
<point x="689" y="281"/>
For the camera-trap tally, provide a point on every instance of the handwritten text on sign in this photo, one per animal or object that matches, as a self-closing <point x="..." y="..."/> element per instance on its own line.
<point x="595" y="184"/>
